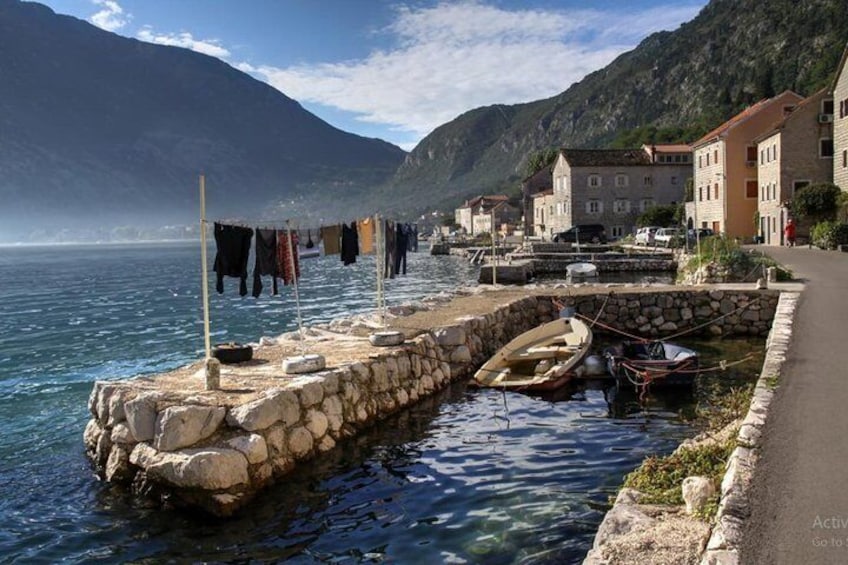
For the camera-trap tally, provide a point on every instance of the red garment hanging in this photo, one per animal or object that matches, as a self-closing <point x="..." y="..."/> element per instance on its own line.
<point x="284" y="262"/>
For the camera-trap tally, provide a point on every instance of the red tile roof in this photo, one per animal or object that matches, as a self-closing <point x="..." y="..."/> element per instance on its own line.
<point x="740" y="117"/>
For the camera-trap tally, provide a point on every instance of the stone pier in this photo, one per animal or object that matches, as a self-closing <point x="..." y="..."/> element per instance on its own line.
<point x="167" y="438"/>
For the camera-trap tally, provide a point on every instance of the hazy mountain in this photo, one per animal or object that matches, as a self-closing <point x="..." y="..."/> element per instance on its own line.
<point x="733" y="53"/>
<point x="98" y="128"/>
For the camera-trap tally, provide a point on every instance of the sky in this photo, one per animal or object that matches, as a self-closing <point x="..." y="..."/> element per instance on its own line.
<point x="397" y="69"/>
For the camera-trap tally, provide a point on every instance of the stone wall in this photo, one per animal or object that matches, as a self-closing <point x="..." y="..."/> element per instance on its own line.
<point x="216" y="451"/>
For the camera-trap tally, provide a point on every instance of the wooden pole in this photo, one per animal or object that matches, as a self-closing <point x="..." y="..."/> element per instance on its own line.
<point x="204" y="287"/>
<point x="292" y="251"/>
<point x="380" y="260"/>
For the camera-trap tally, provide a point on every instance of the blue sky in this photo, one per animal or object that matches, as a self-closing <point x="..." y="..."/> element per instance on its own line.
<point x="397" y="69"/>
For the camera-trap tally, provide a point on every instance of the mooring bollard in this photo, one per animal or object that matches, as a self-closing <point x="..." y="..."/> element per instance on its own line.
<point x="213" y="374"/>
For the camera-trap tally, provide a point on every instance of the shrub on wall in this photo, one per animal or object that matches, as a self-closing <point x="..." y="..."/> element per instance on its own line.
<point x="827" y="235"/>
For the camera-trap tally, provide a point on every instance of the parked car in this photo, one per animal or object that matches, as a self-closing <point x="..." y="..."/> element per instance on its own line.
<point x="645" y="235"/>
<point x="584" y="233"/>
<point x="668" y="237"/>
<point x="700" y="233"/>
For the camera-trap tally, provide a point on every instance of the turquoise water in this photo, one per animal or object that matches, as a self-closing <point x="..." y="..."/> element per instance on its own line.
<point x="471" y="476"/>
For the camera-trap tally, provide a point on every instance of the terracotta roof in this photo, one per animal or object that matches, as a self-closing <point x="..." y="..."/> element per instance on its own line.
<point x="606" y="157"/>
<point x="477" y="200"/>
<point x="547" y="192"/>
<point x="739" y="118"/>
<point x="672" y="148"/>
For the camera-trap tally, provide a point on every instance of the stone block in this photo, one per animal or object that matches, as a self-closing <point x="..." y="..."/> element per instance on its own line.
<point x="205" y="468"/>
<point x="697" y="492"/>
<point x="252" y="446"/>
<point x="182" y="426"/>
<point x="450" y="336"/>
<point x="300" y="442"/>
<point x="141" y="416"/>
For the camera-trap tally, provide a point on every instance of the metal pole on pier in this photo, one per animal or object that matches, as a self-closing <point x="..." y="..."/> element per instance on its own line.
<point x="212" y="366"/>
<point x="494" y="252"/>
<point x="204" y="288"/>
<point x="293" y="266"/>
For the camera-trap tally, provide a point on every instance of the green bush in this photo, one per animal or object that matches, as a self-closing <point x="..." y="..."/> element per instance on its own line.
<point x="827" y="235"/>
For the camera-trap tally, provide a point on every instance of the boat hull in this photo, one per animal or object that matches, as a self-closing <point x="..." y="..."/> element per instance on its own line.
<point x="656" y="364"/>
<point x="543" y="359"/>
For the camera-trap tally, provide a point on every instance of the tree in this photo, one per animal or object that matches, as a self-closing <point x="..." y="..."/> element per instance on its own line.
<point x="817" y="202"/>
<point x="662" y="216"/>
<point x="538" y="161"/>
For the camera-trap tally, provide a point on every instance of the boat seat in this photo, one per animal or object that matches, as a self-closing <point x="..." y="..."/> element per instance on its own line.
<point x="549" y="351"/>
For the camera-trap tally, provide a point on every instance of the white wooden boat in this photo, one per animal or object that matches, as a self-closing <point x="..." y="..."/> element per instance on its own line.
<point x="539" y="360"/>
<point x="581" y="271"/>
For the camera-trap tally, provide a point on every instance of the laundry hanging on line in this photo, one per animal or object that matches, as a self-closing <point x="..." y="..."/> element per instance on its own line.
<point x="266" y="260"/>
<point x="233" y="252"/>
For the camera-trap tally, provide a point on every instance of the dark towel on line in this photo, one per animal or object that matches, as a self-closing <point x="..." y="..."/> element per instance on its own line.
<point x="350" y="243"/>
<point x="233" y="251"/>
<point x="266" y="260"/>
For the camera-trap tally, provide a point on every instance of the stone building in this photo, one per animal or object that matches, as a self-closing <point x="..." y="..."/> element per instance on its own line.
<point x="464" y="215"/>
<point x="543" y="210"/>
<point x="614" y="186"/>
<point x="725" y="161"/>
<point x="533" y="185"/>
<point x="797" y="152"/>
<point x="840" y="124"/>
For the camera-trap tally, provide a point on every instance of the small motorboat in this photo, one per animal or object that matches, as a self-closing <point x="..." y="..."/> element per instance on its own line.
<point x="581" y="271"/>
<point x="539" y="360"/>
<point x="652" y="363"/>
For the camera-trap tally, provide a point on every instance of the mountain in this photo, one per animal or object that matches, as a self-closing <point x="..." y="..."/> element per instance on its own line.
<point x="733" y="53"/>
<point x="98" y="128"/>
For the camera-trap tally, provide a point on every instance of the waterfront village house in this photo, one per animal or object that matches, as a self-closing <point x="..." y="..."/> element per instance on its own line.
<point x="839" y="90"/>
<point x="538" y="182"/>
<point x="725" y="161"/>
<point x="502" y="211"/>
<point x="464" y="215"/>
<point x="614" y="186"/>
<point x="543" y="209"/>
<point x="798" y="151"/>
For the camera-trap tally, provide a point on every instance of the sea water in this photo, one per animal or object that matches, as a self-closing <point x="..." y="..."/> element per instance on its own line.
<point x="468" y="476"/>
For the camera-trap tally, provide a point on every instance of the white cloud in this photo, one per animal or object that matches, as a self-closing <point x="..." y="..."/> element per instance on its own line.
<point x="457" y="56"/>
<point x="111" y="16"/>
<point x="210" y="47"/>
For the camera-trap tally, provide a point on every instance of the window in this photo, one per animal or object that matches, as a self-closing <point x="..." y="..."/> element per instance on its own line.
<point x="827" y="107"/>
<point x="762" y="193"/>
<point x="699" y="162"/>
<point x="708" y="192"/>
<point x="825" y="148"/>
<point x="715" y="156"/>
<point x="678" y="158"/>
<point x="551" y="210"/>
<point x="646" y="204"/>
<point x="774" y="152"/>
<point x="559" y="207"/>
<point x="673" y="180"/>
<point x="708" y="158"/>
<point x="750" y="188"/>
<point x="844" y="158"/>
<point x="621" y="206"/>
<point x="648" y="181"/>
<point x="594" y="181"/>
<point x="700" y="194"/>
<point x="751" y="153"/>
<point x="620" y="180"/>
<point x="594" y="207"/>
<point x="715" y="191"/>
<point x="799" y="184"/>
<point x="762" y="157"/>
<point x="618" y="231"/>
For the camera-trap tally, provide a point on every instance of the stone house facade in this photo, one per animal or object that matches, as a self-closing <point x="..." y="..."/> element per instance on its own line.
<point x="796" y="153"/>
<point x="543" y="210"/>
<point x="614" y="186"/>
<point x="839" y="91"/>
<point x="464" y="215"/>
<point x="725" y="160"/>
<point x="533" y="185"/>
<point x="501" y="211"/>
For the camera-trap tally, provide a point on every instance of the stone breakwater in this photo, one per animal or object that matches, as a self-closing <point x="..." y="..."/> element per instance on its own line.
<point x="167" y="438"/>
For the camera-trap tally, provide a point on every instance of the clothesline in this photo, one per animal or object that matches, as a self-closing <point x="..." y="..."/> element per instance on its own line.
<point x="277" y="254"/>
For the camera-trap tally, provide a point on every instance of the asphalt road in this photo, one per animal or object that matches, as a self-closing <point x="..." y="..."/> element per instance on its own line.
<point x="800" y="490"/>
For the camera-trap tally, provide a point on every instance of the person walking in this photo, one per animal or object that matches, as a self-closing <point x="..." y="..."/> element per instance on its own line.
<point x="789" y="233"/>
